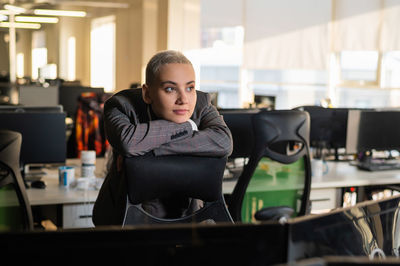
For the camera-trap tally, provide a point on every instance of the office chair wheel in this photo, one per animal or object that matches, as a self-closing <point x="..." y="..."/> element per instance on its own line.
<point x="278" y="213"/>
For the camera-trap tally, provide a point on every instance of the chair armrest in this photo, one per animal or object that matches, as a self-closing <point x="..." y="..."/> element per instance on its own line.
<point x="278" y="213"/>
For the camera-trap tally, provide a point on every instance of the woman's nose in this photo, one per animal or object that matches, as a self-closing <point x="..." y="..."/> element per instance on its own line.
<point x="182" y="98"/>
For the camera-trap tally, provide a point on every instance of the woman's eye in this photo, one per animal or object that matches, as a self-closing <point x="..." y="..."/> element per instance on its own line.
<point x="169" y="89"/>
<point x="189" y="89"/>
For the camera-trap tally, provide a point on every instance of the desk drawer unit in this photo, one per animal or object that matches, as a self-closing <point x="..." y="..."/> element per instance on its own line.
<point x="77" y="215"/>
<point x="324" y="199"/>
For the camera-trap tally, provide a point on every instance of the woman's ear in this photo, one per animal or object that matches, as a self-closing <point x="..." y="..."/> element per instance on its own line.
<point x="146" y="94"/>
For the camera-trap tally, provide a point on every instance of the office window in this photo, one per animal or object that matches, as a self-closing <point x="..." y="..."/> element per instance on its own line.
<point x="39" y="52"/>
<point x="359" y="67"/>
<point x="71" y="61"/>
<point x="290" y="88"/>
<point x="102" y="53"/>
<point x="363" y="97"/>
<point x="391" y="70"/>
<point x="20" y="65"/>
<point x="344" y="53"/>
<point x="368" y="79"/>
<point x="219" y="61"/>
<point x="48" y="71"/>
<point x="39" y="59"/>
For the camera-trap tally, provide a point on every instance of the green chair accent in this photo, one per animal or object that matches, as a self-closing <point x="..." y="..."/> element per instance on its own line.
<point x="273" y="184"/>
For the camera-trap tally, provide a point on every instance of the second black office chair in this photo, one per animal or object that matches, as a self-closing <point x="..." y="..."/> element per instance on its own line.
<point x="15" y="210"/>
<point x="150" y="177"/>
<point x="283" y="137"/>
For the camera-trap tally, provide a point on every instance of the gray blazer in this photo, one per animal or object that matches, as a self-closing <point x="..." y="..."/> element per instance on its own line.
<point x="132" y="129"/>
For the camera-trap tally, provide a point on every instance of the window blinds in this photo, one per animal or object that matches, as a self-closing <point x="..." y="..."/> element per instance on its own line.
<point x="286" y="34"/>
<point x="290" y="34"/>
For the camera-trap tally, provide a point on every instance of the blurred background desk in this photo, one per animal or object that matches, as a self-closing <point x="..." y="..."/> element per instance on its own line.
<point x="328" y="190"/>
<point x="66" y="207"/>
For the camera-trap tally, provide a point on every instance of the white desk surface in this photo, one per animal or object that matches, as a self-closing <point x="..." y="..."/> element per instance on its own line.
<point x="340" y="174"/>
<point x="54" y="194"/>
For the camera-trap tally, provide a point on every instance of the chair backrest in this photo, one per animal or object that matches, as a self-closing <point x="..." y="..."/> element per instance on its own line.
<point x="150" y="177"/>
<point x="15" y="210"/>
<point x="281" y="145"/>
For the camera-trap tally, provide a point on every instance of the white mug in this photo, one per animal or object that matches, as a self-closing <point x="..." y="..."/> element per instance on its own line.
<point x="66" y="175"/>
<point x="319" y="167"/>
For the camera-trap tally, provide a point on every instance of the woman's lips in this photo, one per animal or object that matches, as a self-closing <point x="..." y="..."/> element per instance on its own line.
<point x="180" y="111"/>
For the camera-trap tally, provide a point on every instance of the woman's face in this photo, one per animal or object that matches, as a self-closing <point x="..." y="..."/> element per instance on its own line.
<point x="173" y="95"/>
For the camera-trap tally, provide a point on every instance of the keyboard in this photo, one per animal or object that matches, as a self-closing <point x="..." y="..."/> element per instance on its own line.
<point x="379" y="165"/>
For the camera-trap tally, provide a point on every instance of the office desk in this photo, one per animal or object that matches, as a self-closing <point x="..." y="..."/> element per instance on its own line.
<point x="75" y="205"/>
<point x="326" y="191"/>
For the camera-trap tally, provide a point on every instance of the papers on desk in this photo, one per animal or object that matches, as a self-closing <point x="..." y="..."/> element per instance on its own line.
<point x="87" y="183"/>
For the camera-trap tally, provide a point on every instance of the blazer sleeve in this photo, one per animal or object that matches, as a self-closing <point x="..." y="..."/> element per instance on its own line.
<point x="213" y="138"/>
<point x="132" y="137"/>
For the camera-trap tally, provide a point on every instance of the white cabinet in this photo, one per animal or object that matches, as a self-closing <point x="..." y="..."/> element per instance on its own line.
<point x="324" y="199"/>
<point x="77" y="215"/>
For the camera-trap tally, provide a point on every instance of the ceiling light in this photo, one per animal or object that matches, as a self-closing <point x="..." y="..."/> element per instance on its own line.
<point x="62" y="13"/>
<point x="95" y="4"/>
<point x="15" y="9"/>
<point x="35" y="26"/>
<point x="36" y="19"/>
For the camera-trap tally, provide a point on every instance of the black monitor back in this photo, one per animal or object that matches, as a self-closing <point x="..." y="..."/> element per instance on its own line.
<point x="328" y="126"/>
<point x="34" y="109"/>
<point x="69" y="95"/>
<point x="43" y="135"/>
<point x="240" y="124"/>
<point x="366" y="229"/>
<point x="379" y="130"/>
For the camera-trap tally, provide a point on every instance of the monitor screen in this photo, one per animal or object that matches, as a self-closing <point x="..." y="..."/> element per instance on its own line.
<point x="43" y="135"/>
<point x="36" y="95"/>
<point x="239" y="122"/>
<point x="328" y="126"/>
<point x="378" y="130"/>
<point x="264" y="101"/>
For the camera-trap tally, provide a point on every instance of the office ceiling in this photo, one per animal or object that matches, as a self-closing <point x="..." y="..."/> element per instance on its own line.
<point x="53" y="4"/>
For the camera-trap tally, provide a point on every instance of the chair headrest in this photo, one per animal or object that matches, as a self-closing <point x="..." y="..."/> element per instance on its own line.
<point x="150" y="177"/>
<point x="282" y="126"/>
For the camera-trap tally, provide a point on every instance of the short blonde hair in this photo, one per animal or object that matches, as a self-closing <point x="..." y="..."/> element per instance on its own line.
<point x="163" y="58"/>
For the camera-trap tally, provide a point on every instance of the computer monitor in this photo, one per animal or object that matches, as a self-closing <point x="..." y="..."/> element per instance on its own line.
<point x="239" y="122"/>
<point x="328" y="126"/>
<point x="374" y="130"/>
<point x="23" y="109"/>
<point x="264" y="101"/>
<point x="37" y="95"/>
<point x="69" y="95"/>
<point x="43" y="135"/>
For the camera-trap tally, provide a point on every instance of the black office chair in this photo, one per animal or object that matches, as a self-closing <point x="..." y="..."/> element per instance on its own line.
<point x="15" y="210"/>
<point x="281" y="140"/>
<point x="176" y="176"/>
